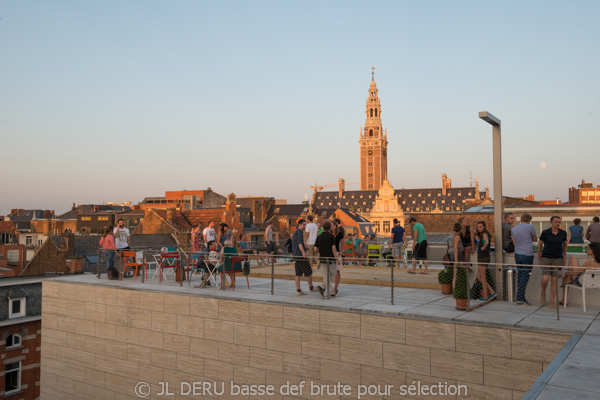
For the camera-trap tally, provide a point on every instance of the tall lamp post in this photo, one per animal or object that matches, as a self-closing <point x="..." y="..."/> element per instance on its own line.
<point x="495" y="122"/>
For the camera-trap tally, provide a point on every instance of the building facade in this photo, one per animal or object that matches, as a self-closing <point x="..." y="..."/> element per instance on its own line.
<point x="585" y="193"/>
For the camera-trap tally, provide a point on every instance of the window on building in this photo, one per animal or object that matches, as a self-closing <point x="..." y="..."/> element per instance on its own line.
<point x="371" y="112"/>
<point x="16" y="307"/>
<point x="453" y="201"/>
<point x="386" y="226"/>
<point x="28" y="239"/>
<point x="40" y="242"/>
<point x="13" y="341"/>
<point x="429" y="194"/>
<point x="13" y="378"/>
<point x="419" y="195"/>
<point x="13" y="255"/>
<point x="370" y="132"/>
<point x="377" y="226"/>
<point x="103" y="218"/>
<point x="443" y="201"/>
<point x="86" y="218"/>
<point x="375" y="112"/>
<point x="410" y="195"/>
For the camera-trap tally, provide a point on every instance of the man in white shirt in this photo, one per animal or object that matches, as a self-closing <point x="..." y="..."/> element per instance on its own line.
<point x="310" y="237"/>
<point x="209" y="233"/>
<point x="121" y="235"/>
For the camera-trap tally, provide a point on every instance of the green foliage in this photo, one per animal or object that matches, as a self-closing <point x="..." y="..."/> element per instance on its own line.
<point x="460" y="286"/>
<point x="445" y="276"/>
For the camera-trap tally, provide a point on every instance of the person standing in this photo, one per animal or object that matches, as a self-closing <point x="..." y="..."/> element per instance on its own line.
<point x="302" y="266"/>
<point x="552" y="251"/>
<point x="468" y="239"/>
<point x="507" y="225"/>
<point x="107" y="242"/>
<point x="523" y="236"/>
<point x="397" y="241"/>
<point x="593" y="231"/>
<point x="195" y="238"/>
<point x="576" y="232"/>
<point x="483" y="259"/>
<point x="328" y="259"/>
<point x="339" y="237"/>
<point x="121" y="235"/>
<point x="419" y="246"/>
<point x="310" y="237"/>
<point x="269" y="240"/>
<point x="208" y="234"/>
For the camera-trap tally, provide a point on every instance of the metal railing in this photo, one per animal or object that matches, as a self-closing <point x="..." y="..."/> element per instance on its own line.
<point x="369" y="277"/>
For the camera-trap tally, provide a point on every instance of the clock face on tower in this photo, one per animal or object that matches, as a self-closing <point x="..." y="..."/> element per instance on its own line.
<point x="370" y="153"/>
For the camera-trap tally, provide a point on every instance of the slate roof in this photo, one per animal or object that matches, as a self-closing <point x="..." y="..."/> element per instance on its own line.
<point x="28" y="215"/>
<point x="411" y="200"/>
<point x="289" y="210"/>
<point x="89" y="209"/>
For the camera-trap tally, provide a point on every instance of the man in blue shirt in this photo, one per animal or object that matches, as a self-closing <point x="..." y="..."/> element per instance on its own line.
<point x="554" y="243"/>
<point x="523" y="236"/>
<point x="397" y="242"/>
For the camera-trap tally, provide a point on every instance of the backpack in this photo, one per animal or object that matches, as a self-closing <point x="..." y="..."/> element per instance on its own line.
<point x="246" y="269"/>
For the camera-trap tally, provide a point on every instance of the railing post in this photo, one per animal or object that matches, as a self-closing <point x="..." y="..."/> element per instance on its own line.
<point x="98" y="263"/>
<point x="272" y="275"/>
<point x="557" y="290"/>
<point x="144" y="265"/>
<point x="468" y="289"/>
<point x="392" y="282"/>
<point x="181" y="266"/>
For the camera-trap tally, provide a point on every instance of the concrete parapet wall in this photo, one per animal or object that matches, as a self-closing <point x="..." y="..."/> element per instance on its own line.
<point x="100" y="342"/>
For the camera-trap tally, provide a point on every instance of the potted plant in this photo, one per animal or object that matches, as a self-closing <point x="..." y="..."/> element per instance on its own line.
<point x="460" y="289"/>
<point x="445" y="280"/>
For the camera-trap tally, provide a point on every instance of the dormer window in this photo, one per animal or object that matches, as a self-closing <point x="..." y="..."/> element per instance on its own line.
<point x="16" y="308"/>
<point x="13" y="341"/>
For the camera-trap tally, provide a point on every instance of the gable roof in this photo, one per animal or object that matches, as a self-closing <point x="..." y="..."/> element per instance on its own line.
<point x="7" y="226"/>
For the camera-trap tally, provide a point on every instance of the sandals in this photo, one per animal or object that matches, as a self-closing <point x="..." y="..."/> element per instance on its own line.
<point x="410" y="271"/>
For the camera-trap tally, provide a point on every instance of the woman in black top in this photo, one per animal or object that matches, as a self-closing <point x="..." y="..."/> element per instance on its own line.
<point x="339" y="237"/>
<point x="483" y="258"/>
<point x="467" y="238"/>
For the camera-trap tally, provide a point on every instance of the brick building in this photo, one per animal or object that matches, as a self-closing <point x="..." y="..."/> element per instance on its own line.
<point x="184" y="200"/>
<point x="179" y="223"/>
<point x="20" y="339"/>
<point x="584" y="193"/>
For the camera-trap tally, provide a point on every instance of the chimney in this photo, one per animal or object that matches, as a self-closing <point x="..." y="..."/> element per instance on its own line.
<point x="170" y="213"/>
<point x="95" y="208"/>
<point x="342" y="187"/>
<point x="444" y="183"/>
<point x="449" y="183"/>
<point x="67" y="244"/>
<point x="73" y="207"/>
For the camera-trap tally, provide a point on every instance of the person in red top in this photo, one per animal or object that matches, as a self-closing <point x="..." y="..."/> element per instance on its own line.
<point x="107" y="242"/>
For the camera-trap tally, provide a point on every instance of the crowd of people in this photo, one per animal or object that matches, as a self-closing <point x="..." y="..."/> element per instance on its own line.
<point x="313" y="246"/>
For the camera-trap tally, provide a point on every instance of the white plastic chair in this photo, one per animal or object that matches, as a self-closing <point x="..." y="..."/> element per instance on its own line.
<point x="589" y="279"/>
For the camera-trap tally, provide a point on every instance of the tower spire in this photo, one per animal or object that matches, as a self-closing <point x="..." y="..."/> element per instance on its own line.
<point x="372" y="73"/>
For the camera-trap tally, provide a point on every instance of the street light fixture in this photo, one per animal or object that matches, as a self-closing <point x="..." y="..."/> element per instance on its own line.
<point x="495" y="122"/>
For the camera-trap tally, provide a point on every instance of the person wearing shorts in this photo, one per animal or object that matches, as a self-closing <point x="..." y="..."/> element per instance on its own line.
<point x="269" y="240"/>
<point x="419" y="246"/>
<point x="552" y="251"/>
<point x="310" y="237"/>
<point x="302" y="265"/>
<point x="397" y="242"/>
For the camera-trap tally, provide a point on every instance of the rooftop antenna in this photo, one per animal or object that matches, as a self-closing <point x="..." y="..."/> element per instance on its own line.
<point x="372" y="72"/>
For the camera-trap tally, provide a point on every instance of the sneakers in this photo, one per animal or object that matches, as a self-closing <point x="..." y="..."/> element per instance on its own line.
<point x="321" y="291"/>
<point x="482" y="299"/>
<point x="300" y="293"/>
<point x="523" y="303"/>
<point x="312" y="289"/>
<point x="493" y="295"/>
<point x="543" y="299"/>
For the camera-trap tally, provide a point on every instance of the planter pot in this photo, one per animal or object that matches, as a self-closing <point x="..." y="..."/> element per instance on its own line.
<point x="446" y="288"/>
<point x="461" y="304"/>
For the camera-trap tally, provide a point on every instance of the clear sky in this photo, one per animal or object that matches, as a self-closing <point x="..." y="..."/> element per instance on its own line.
<point x="119" y="100"/>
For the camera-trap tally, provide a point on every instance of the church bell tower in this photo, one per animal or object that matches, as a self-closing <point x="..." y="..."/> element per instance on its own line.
<point x="373" y="143"/>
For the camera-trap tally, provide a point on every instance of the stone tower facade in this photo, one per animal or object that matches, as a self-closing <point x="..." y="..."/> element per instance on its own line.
<point x="373" y="144"/>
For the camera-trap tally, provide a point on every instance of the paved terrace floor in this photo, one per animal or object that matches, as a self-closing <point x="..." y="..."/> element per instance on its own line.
<point x="573" y="374"/>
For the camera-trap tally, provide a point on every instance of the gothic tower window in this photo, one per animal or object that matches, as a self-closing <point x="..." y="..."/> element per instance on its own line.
<point x="375" y="112"/>
<point x="371" y="112"/>
<point x="370" y="132"/>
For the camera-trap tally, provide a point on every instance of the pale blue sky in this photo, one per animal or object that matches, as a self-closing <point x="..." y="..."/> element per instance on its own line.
<point x="118" y="100"/>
